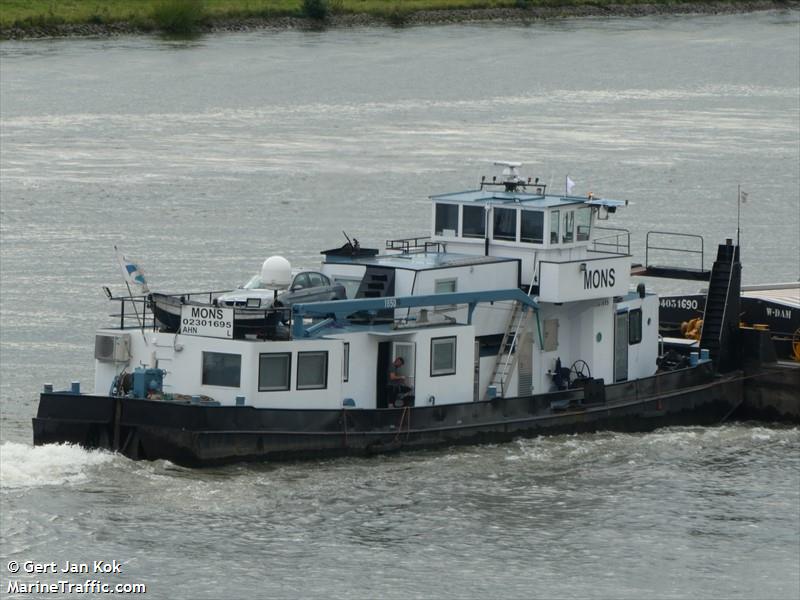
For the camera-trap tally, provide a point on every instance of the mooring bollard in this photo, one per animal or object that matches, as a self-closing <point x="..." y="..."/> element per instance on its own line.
<point x="76" y="387"/>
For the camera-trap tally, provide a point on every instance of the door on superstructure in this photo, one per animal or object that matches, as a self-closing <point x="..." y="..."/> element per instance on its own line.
<point x="405" y="350"/>
<point x="621" y="346"/>
<point x="387" y="353"/>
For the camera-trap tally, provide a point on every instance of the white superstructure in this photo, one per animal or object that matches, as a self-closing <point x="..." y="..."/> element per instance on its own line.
<point x="465" y="343"/>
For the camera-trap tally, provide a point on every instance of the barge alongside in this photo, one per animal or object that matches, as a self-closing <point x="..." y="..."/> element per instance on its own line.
<point x="515" y="317"/>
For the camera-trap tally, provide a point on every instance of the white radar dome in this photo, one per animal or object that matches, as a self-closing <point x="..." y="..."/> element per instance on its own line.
<point x="276" y="273"/>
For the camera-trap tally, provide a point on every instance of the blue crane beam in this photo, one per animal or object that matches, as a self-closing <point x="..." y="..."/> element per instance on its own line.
<point x="340" y="309"/>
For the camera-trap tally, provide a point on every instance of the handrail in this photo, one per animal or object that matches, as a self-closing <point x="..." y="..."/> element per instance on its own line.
<point x="416" y="244"/>
<point x="648" y="247"/>
<point x="621" y="237"/>
<point x="139" y="313"/>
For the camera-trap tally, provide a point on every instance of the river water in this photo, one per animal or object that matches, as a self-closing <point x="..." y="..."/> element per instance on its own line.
<point x="200" y="158"/>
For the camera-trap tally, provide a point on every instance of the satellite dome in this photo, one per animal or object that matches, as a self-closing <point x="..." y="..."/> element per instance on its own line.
<point x="276" y="273"/>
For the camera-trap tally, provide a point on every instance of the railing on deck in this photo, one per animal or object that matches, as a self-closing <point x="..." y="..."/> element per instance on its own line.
<point x="415" y="244"/>
<point x="136" y="312"/>
<point x="617" y="241"/>
<point x="688" y="237"/>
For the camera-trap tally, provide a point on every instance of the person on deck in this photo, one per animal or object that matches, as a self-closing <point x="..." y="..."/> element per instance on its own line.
<point x="397" y="383"/>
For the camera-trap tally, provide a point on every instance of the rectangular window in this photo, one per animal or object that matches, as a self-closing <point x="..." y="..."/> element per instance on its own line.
<point x="554" y="226"/>
<point x="583" y="220"/>
<point x="569" y="226"/>
<point x="473" y="223"/>
<point x="274" y="371"/>
<point x="312" y="370"/>
<point x="221" y="369"/>
<point x="635" y="326"/>
<point x="446" y="219"/>
<point x="444" y="286"/>
<point x="443" y="356"/>
<point x="532" y="227"/>
<point x="505" y="224"/>
<point x="346" y="362"/>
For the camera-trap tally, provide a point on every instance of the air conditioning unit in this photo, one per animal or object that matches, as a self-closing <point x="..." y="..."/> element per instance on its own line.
<point x="112" y="348"/>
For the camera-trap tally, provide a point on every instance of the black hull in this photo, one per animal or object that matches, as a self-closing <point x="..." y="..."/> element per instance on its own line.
<point x="196" y="435"/>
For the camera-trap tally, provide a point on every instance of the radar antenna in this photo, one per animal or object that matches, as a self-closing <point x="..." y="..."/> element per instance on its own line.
<point x="512" y="175"/>
<point x="510" y="170"/>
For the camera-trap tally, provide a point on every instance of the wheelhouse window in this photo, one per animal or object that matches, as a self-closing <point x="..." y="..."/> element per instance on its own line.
<point x="569" y="227"/>
<point x="443" y="356"/>
<point x="473" y="222"/>
<point x="583" y="222"/>
<point x="312" y="370"/>
<point x="222" y="369"/>
<point x="554" y="221"/>
<point x="635" y="326"/>
<point x="532" y="227"/>
<point x="446" y="219"/>
<point x="505" y="224"/>
<point x="274" y="371"/>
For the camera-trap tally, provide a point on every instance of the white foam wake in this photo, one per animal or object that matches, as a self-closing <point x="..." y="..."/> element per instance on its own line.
<point x="23" y="466"/>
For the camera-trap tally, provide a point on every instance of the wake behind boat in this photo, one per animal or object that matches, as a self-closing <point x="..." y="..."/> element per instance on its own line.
<point x="515" y="317"/>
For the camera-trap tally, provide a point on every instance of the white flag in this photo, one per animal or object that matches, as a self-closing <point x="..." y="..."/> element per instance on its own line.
<point x="131" y="272"/>
<point x="743" y="197"/>
<point x="570" y="185"/>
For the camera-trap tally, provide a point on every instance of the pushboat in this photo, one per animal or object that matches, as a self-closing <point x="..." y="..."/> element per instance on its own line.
<point x="516" y="316"/>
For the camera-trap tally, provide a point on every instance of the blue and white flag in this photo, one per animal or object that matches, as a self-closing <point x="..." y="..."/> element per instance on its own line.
<point x="132" y="273"/>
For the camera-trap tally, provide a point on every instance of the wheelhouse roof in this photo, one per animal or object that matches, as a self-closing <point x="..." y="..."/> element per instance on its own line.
<point x="498" y="197"/>
<point x="423" y="261"/>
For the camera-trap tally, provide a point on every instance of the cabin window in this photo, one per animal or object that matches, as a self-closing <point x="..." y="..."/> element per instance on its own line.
<point x="554" y="218"/>
<point x="312" y="370"/>
<point x="635" y="326"/>
<point x="274" y="371"/>
<point x="346" y="362"/>
<point x="505" y="224"/>
<point x="583" y="221"/>
<point x="532" y="227"/>
<point x="222" y="369"/>
<point x="446" y="219"/>
<point x="473" y="222"/>
<point x="445" y="286"/>
<point x="569" y="227"/>
<point x="443" y="356"/>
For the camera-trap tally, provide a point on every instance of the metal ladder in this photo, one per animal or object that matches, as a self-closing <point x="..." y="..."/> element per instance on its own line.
<point x="506" y="360"/>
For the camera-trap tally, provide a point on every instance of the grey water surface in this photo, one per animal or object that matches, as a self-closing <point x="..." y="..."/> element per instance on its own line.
<point x="200" y="158"/>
